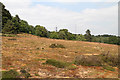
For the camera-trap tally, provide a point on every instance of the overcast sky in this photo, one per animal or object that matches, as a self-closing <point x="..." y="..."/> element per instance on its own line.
<point x="100" y="16"/>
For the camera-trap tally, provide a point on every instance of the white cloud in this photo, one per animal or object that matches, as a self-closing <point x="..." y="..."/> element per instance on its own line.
<point x="99" y="21"/>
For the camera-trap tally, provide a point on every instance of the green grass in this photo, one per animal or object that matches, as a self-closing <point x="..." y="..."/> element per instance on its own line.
<point x="60" y="64"/>
<point x="56" y="46"/>
<point x="9" y="35"/>
<point x="56" y="63"/>
<point x="109" y="68"/>
<point x="37" y="74"/>
<point x="10" y="74"/>
<point x="71" y="67"/>
<point x="40" y="59"/>
<point x="15" y="74"/>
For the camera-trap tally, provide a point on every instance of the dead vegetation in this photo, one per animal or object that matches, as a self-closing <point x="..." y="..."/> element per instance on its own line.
<point x="107" y="61"/>
<point x="29" y="52"/>
<point x="89" y="60"/>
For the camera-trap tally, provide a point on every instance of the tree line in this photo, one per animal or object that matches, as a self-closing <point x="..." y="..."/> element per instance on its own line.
<point x="14" y="25"/>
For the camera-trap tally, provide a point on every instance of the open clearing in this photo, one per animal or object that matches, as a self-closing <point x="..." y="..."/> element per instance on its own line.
<point x="29" y="52"/>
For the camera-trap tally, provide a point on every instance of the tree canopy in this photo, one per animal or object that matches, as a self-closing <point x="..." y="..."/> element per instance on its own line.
<point x="88" y="36"/>
<point x="40" y="31"/>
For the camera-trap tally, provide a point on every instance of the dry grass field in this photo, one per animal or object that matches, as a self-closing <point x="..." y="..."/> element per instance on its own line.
<point x="29" y="52"/>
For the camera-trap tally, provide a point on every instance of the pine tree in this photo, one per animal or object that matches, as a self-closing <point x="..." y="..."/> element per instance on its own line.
<point x="88" y="36"/>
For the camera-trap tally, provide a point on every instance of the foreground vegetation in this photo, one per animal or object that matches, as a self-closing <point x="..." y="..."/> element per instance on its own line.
<point x="14" y="74"/>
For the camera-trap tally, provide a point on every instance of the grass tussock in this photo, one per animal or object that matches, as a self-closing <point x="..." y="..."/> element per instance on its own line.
<point x="56" y="46"/>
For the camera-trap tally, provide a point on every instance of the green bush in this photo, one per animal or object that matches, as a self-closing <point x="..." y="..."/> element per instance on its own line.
<point x="58" y="64"/>
<point x="56" y="46"/>
<point x="10" y="74"/>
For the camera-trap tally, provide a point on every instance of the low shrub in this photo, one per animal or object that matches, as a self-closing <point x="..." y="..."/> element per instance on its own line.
<point x="56" y="46"/>
<point x="24" y="73"/>
<point x="98" y="60"/>
<point x="110" y="59"/>
<point x="58" y="64"/>
<point x="10" y="74"/>
<point x="71" y="67"/>
<point x="40" y="59"/>
<point x="37" y="74"/>
<point x="42" y="48"/>
<point x="88" y="60"/>
<point x="38" y="48"/>
<point x="12" y="39"/>
<point x="107" y="67"/>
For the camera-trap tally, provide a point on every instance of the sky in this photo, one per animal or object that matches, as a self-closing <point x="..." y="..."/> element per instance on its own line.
<point x="100" y="16"/>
